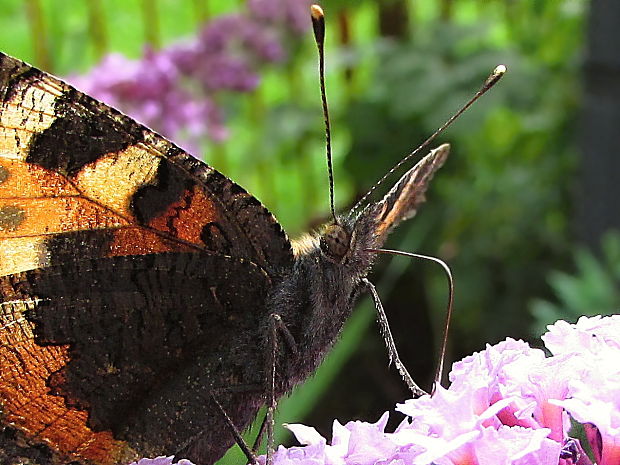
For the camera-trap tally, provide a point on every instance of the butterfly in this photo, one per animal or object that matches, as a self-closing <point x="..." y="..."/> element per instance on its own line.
<point x="149" y="305"/>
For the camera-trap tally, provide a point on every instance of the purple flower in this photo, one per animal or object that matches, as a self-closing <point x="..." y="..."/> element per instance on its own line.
<point x="147" y="90"/>
<point x="161" y="461"/>
<point x="291" y="14"/>
<point x="175" y="90"/>
<point x="593" y="345"/>
<point x="243" y="35"/>
<point x="508" y="404"/>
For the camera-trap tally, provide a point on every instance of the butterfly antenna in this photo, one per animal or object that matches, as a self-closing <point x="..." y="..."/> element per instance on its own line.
<point x="490" y="81"/>
<point x="318" y="25"/>
<point x="450" y="305"/>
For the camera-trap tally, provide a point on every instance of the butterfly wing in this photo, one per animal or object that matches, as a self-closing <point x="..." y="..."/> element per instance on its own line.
<point x="144" y="392"/>
<point x="91" y="204"/>
<point x="76" y="174"/>
<point x="403" y="199"/>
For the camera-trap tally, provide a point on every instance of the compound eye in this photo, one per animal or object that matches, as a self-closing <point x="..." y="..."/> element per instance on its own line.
<point x="335" y="242"/>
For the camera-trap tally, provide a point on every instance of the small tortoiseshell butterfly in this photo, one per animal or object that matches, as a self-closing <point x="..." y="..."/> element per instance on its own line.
<point x="141" y="291"/>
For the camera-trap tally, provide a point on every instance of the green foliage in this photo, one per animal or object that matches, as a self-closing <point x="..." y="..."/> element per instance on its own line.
<point x="66" y="28"/>
<point x="591" y="289"/>
<point x="499" y="209"/>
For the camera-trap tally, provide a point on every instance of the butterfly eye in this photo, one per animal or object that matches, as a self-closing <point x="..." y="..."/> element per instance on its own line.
<point x="335" y="242"/>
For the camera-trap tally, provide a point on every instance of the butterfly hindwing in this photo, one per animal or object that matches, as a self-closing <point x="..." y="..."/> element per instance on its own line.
<point x="158" y="352"/>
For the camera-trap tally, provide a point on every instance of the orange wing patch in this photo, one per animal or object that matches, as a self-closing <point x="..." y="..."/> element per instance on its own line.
<point x="27" y="403"/>
<point x="22" y="180"/>
<point x="181" y="216"/>
<point x="36" y="203"/>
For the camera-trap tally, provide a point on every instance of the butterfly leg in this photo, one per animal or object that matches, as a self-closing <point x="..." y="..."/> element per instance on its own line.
<point x="235" y="432"/>
<point x="277" y="329"/>
<point x="389" y="341"/>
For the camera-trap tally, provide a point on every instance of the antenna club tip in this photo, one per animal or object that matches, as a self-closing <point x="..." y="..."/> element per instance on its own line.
<point x="316" y="12"/>
<point x="494" y="77"/>
<point x="500" y="70"/>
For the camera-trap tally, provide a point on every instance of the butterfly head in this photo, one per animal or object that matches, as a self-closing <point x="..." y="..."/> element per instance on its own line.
<point x="347" y="240"/>
<point x="335" y="242"/>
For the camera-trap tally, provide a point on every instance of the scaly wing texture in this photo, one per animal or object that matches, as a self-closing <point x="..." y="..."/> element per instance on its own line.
<point x="88" y="195"/>
<point x="403" y="200"/>
<point x="180" y="322"/>
<point x="71" y="167"/>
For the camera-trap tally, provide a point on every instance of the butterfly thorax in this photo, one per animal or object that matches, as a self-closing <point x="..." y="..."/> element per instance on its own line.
<point x="317" y="296"/>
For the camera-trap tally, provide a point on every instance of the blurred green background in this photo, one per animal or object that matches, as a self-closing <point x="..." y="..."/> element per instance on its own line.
<point x="524" y="212"/>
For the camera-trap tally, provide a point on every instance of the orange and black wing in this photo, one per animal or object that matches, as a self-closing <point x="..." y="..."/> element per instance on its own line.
<point x="110" y="360"/>
<point x="76" y="174"/>
<point x="102" y="223"/>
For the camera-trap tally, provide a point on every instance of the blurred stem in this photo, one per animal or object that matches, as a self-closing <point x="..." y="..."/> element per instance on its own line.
<point x="201" y="8"/>
<point x="263" y="164"/>
<point x="96" y="27"/>
<point x="218" y="158"/>
<point x="306" y="173"/>
<point x="344" y="36"/>
<point x="151" y="23"/>
<point x="257" y="107"/>
<point x="510" y="17"/>
<point x="293" y="80"/>
<point x="393" y="19"/>
<point x="38" y="32"/>
<point x="446" y="10"/>
<point x="307" y="178"/>
<point x="265" y="171"/>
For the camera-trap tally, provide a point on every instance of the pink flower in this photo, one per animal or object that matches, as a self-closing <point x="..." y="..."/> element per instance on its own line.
<point x="593" y="346"/>
<point x="516" y="445"/>
<point x="508" y="404"/>
<point x="356" y="442"/>
<point x="161" y="461"/>
<point x="589" y="334"/>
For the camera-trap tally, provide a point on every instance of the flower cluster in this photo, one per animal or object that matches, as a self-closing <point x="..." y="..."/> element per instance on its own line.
<point x="174" y="90"/>
<point x="509" y="404"/>
<point x="161" y="461"/>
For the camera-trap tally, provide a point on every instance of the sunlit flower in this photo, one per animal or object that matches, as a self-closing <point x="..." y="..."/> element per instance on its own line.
<point x="508" y="404"/>
<point x="161" y="461"/>
<point x="594" y="345"/>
